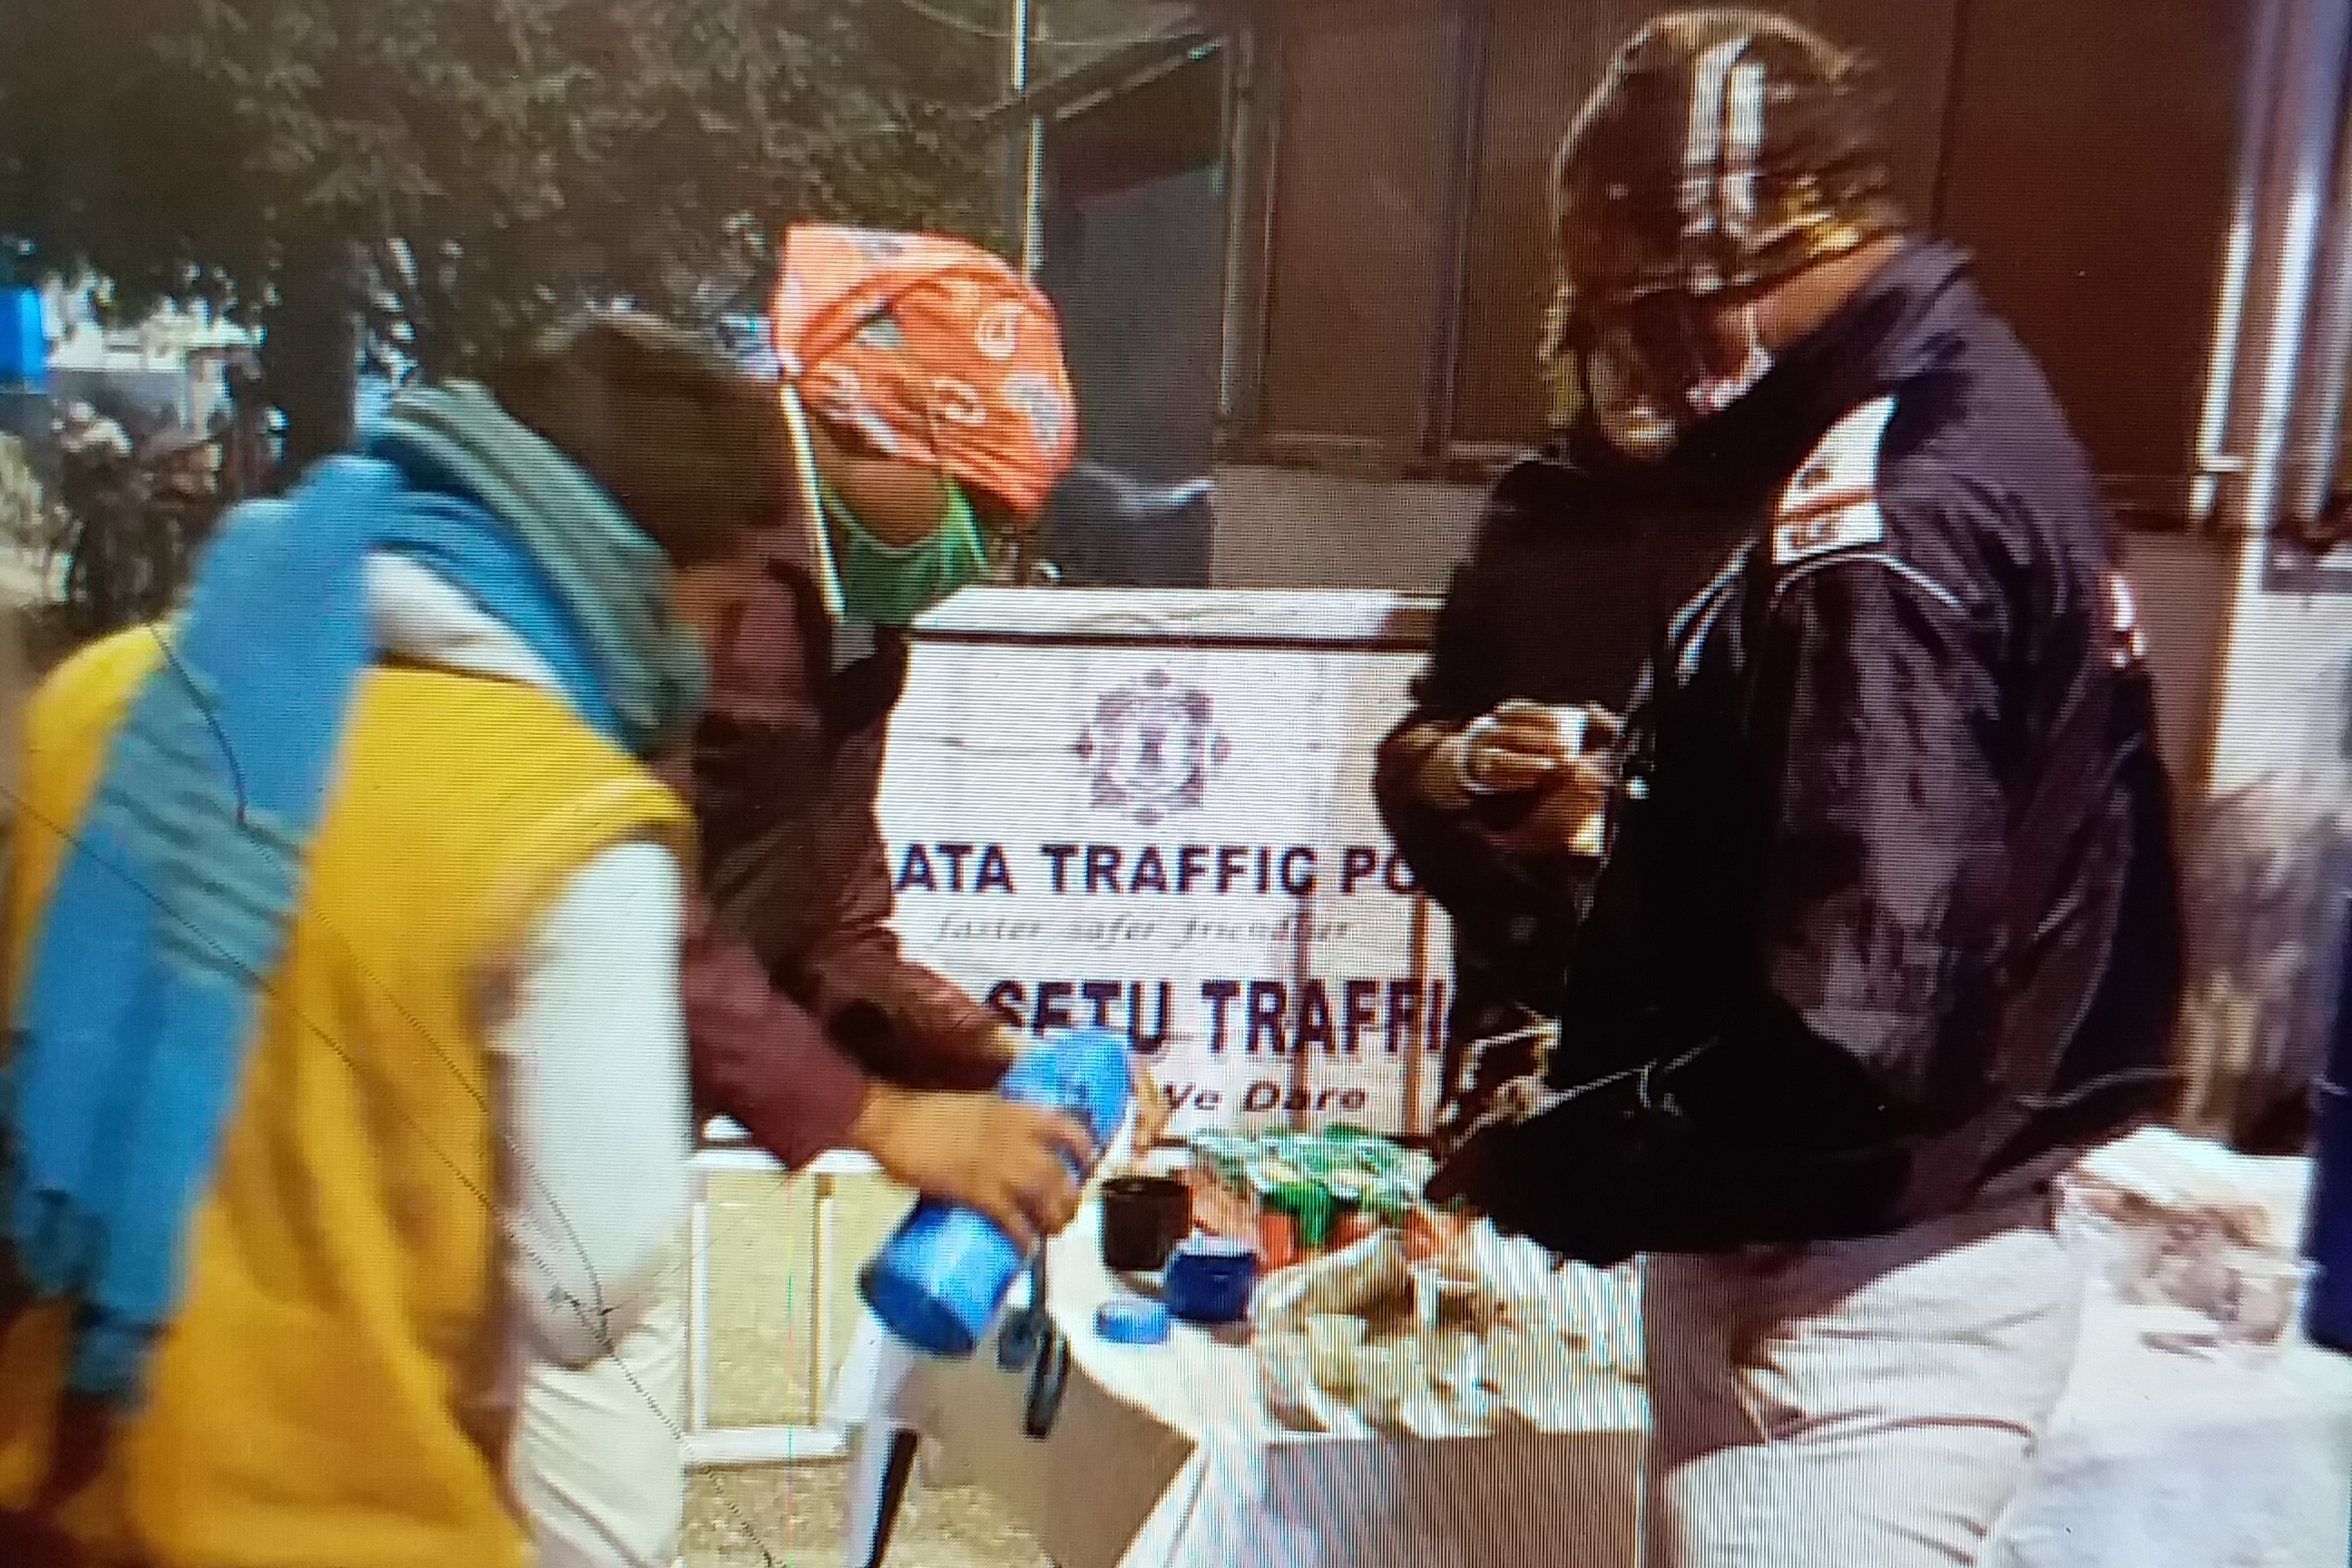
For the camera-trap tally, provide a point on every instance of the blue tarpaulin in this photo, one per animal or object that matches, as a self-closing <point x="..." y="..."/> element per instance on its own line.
<point x="2327" y="1314"/>
<point x="24" y="341"/>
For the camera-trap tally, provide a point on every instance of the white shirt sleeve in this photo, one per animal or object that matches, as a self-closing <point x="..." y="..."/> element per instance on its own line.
<point x="597" y="1112"/>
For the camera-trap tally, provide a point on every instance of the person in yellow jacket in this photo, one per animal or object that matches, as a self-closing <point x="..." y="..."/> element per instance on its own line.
<point x="334" y="900"/>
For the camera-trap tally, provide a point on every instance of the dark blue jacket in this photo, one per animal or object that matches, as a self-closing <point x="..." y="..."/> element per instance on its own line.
<point x="1890" y="902"/>
<point x="2327" y="1312"/>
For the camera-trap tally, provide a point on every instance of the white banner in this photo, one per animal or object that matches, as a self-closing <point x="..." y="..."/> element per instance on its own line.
<point x="1154" y="812"/>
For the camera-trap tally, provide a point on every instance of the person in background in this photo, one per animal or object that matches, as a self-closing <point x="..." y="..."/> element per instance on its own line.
<point x="1886" y="927"/>
<point x="1550" y="617"/>
<point x="346" y="932"/>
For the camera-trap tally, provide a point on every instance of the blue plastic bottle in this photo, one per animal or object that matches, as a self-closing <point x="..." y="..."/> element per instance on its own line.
<point x="938" y="1282"/>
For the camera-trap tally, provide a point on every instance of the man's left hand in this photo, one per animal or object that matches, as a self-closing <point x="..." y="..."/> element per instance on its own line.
<point x="1502" y="1171"/>
<point x="1152" y="1111"/>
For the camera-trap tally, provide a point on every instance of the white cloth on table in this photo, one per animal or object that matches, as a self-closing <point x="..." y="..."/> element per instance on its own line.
<point x="2157" y="1459"/>
<point x="1165" y="1457"/>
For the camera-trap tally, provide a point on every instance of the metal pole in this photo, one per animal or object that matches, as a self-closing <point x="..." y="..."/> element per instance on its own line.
<point x="1252" y="154"/>
<point x="697" y="1332"/>
<point x="2285" y="241"/>
<point x="2255" y="93"/>
<point x="820" y="1281"/>
<point x="1027" y="159"/>
<point x="2315" y="434"/>
<point x="1474" y="28"/>
<point x="1241" y="115"/>
<point x="2252" y="393"/>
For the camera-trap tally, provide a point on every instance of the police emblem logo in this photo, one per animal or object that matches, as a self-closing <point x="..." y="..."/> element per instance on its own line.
<point x="1847" y="526"/>
<point x="1153" y="746"/>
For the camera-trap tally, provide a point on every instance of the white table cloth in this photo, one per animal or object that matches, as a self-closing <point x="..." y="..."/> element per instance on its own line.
<point x="2158" y="1459"/>
<point x="1165" y="1457"/>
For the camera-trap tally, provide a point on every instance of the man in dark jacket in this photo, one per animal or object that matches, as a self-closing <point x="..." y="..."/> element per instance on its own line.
<point x="1886" y="926"/>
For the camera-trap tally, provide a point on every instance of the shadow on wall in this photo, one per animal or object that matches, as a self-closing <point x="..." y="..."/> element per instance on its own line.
<point x="2266" y="895"/>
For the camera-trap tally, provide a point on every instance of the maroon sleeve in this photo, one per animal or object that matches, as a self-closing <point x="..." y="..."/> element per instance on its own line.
<point x="905" y="1022"/>
<point x="798" y="991"/>
<point x="756" y="1055"/>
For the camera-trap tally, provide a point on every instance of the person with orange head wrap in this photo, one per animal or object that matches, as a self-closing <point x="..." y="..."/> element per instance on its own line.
<point x="926" y="378"/>
<point x="930" y="416"/>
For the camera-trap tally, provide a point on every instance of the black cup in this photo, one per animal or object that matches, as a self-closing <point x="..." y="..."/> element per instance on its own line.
<point x="1143" y="1219"/>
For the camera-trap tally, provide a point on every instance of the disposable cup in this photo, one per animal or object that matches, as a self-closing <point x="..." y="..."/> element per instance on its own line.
<point x="1333" y="1339"/>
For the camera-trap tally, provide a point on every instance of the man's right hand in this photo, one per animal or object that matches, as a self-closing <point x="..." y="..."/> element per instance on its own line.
<point x="1515" y="748"/>
<point x="1010" y="1162"/>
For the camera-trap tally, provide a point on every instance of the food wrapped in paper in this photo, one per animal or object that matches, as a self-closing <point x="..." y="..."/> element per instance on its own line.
<point x="1365" y="1280"/>
<point x="1286" y="1373"/>
<point x="1535" y="1375"/>
<point x="2186" y="1222"/>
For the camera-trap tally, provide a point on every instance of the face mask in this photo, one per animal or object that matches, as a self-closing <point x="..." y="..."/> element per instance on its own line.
<point x="1714" y="394"/>
<point x="1651" y="381"/>
<point x="891" y="584"/>
<point x="1632" y="422"/>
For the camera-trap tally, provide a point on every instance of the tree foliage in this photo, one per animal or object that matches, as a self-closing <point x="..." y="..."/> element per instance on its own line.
<point x="461" y="170"/>
<point x="501" y="159"/>
<point x="112" y="157"/>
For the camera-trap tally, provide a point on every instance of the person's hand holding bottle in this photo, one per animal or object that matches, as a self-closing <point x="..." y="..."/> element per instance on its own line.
<point x="1011" y="1162"/>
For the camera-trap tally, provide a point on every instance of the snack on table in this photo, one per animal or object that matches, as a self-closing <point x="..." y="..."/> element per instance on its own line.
<point x="1297" y="1197"/>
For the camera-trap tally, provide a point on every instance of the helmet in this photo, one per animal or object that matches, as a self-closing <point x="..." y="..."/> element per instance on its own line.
<point x="1726" y="149"/>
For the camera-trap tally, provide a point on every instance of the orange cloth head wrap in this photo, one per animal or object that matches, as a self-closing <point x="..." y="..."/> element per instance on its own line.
<point x="932" y="350"/>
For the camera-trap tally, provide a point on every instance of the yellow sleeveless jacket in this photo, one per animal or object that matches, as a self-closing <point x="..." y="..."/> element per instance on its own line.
<point x="317" y="1401"/>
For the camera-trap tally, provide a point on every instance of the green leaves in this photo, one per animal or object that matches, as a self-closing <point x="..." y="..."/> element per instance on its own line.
<point x="538" y="152"/>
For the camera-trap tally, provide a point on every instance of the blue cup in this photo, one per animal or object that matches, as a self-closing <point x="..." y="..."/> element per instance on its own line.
<point x="938" y="1282"/>
<point x="1209" y="1279"/>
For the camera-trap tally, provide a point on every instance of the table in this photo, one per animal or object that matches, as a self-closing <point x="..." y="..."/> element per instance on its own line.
<point x="2157" y="1458"/>
<point x="1165" y="1457"/>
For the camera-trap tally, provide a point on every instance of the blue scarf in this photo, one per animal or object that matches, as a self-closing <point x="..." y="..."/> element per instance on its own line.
<point x="172" y="908"/>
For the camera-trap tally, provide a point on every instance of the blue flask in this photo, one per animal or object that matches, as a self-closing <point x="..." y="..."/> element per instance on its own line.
<point x="937" y="1281"/>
